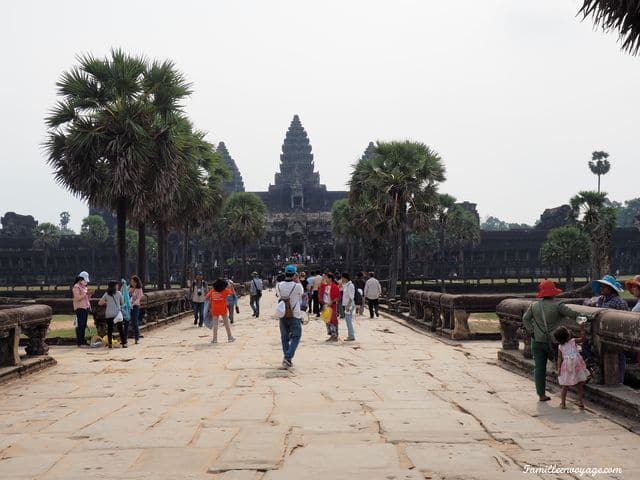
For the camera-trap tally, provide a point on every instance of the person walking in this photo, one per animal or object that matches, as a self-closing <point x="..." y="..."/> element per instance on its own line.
<point x="315" y="292"/>
<point x="135" y="292"/>
<point x="330" y="299"/>
<point x="255" y="293"/>
<point x="358" y="283"/>
<point x="232" y="300"/>
<point x="218" y="299"/>
<point x="126" y="307"/>
<point x="290" y="292"/>
<point x="372" y="292"/>
<point x="539" y="321"/>
<point x="198" y="294"/>
<point x="113" y="314"/>
<point x="309" y="290"/>
<point x="81" y="305"/>
<point x="348" y="304"/>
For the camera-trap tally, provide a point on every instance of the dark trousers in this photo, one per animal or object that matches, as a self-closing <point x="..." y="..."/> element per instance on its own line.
<point x="198" y="313"/>
<point x="316" y="302"/>
<point x="373" y="307"/>
<point x="82" y="315"/>
<point x="540" y="352"/>
<point x="290" y="335"/>
<point x="123" y="338"/>
<point x="135" y="322"/>
<point x="254" y="302"/>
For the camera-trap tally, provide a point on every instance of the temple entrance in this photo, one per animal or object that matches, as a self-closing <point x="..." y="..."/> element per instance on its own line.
<point x="297" y="244"/>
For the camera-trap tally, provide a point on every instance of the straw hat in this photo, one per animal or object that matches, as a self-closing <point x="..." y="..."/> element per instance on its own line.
<point x="634" y="282"/>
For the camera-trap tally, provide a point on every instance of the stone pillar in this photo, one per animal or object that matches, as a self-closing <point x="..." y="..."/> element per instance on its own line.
<point x="9" y="346"/>
<point x="610" y="368"/>
<point x="509" y="334"/>
<point x="461" y="325"/>
<point x="36" y="336"/>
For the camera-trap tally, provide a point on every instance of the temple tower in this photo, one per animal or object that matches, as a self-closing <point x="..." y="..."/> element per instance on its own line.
<point x="235" y="184"/>
<point x="296" y="159"/>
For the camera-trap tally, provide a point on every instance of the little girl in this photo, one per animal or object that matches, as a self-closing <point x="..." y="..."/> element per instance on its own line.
<point x="571" y="367"/>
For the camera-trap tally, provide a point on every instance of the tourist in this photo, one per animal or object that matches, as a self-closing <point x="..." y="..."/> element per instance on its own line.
<point x="317" y="281"/>
<point x="290" y="293"/>
<point x="572" y="371"/>
<point x="540" y="319"/>
<point x="218" y="299"/>
<point x="358" y="283"/>
<point x="607" y="291"/>
<point x="135" y="292"/>
<point x="348" y="304"/>
<point x="113" y="313"/>
<point x="302" y="278"/>
<point x="198" y="294"/>
<point x="330" y="293"/>
<point x="633" y="286"/>
<point x="324" y="293"/>
<point x="126" y="307"/>
<point x="255" y="292"/>
<point x="81" y="306"/>
<point x="232" y="301"/>
<point x="372" y="292"/>
<point x="309" y="290"/>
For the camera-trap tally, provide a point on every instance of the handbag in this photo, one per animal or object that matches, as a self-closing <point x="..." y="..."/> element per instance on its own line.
<point x="553" y="353"/>
<point x="119" y="316"/>
<point x="258" y="291"/>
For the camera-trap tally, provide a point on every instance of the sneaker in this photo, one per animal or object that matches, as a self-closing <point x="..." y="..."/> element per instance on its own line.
<point x="283" y="366"/>
<point x="350" y="339"/>
<point x="287" y="363"/>
<point x="124" y="345"/>
<point x="137" y="342"/>
<point x="232" y="339"/>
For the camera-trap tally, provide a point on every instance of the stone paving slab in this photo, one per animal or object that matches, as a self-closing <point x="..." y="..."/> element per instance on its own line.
<point x="395" y="405"/>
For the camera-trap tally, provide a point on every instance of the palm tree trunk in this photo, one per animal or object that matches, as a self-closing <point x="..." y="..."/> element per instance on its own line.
<point x="121" y="213"/>
<point x="441" y="256"/>
<point x="161" y="256"/>
<point x="393" y="267"/>
<point x="569" y="285"/>
<point x="185" y="255"/>
<point x="598" y="183"/>
<point x="142" y="250"/>
<point x="403" y="258"/>
<point x="166" y="258"/>
<point x="93" y="261"/>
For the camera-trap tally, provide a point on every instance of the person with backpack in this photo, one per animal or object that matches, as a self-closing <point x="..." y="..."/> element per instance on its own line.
<point x="288" y="310"/>
<point x="255" y="293"/>
<point x="113" y="314"/>
<point x="198" y="294"/>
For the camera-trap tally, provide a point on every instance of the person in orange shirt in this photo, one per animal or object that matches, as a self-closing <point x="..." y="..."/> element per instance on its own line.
<point x="218" y="299"/>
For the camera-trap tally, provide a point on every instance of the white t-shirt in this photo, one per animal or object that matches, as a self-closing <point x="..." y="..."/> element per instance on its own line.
<point x="293" y="291"/>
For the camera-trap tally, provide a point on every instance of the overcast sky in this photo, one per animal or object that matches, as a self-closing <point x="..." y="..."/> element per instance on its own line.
<point x="513" y="94"/>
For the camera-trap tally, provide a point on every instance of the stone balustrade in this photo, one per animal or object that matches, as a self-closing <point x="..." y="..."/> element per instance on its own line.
<point x="448" y="314"/>
<point x="32" y="321"/>
<point x="609" y="332"/>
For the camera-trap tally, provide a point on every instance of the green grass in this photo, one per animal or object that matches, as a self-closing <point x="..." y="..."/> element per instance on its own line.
<point x="70" y="333"/>
<point x="485" y="316"/>
<point x="62" y="318"/>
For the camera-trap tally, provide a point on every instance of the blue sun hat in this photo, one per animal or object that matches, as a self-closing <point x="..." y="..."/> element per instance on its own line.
<point x="609" y="280"/>
<point x="290" y="270"/>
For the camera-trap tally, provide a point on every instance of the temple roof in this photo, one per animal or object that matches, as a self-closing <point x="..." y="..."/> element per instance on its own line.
<point x="235" y="184"/>
<point x="296" y="160"/>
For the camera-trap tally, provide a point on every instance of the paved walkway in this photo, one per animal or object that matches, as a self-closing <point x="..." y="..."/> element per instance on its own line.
<point x="394" y="405"/>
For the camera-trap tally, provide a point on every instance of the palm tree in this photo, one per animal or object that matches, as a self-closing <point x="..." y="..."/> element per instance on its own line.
<point x="566" y="247"/>
<point x="98" y="138"/>
<point x="444" y="207"/>
<point x="94" y="232"/>
<point x="620" y="15"/>
<point x="599" y="164"/>
<point x="244" y="221"/>
<point x="462" y="232"/>
<point x="594" y="214"/>
<point x="47" y="237"/>
<point x="399" y="181"/>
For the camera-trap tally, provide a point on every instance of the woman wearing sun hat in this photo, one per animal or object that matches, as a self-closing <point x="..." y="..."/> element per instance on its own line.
<point x="633" y="286"/>
<point x="540" y="320"/>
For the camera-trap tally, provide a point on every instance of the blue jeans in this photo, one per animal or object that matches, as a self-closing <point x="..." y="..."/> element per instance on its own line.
<point x="349" y="319"/>
<point x="290" y="335"/>
<point x="198" y="313"/>
<point x="82" y="315"/>
<point x="135" y="322"/>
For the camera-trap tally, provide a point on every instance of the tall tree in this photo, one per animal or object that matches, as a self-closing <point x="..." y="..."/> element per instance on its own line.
<point x="99" y="135"/>
<point x="594" y="214"/>
<point x="400" y="182"/>
<point x="65" y="218"/>
<point x="566" y="248"/>
<point x="46" y="238"/>
<point x="444" y="208"/>
<point x="244" y="221"/>
<point x="622" y="16"/>
<point x="94" y="232"/>
<point x="599" y="165"/>
<point x="462" y="232"/>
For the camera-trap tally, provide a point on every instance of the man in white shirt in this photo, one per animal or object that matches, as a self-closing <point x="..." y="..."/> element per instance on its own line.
<point x="290" y="326"/>
<point x="349" y="304"/>
<point x="372" y="291"/>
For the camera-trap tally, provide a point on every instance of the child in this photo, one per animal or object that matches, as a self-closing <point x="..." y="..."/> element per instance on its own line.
<point x="571" y="367"/>
<point x="218" y="298"/>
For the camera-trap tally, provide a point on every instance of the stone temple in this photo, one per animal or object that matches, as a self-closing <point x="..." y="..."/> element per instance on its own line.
<point x="299" y="219"/>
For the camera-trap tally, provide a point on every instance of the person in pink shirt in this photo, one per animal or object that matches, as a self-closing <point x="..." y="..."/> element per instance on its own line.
<point x="81" y="305"/>
<point x="135" y="292"/>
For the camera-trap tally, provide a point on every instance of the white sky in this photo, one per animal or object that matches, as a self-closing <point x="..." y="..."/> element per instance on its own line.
<point x="513" y="94"/>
